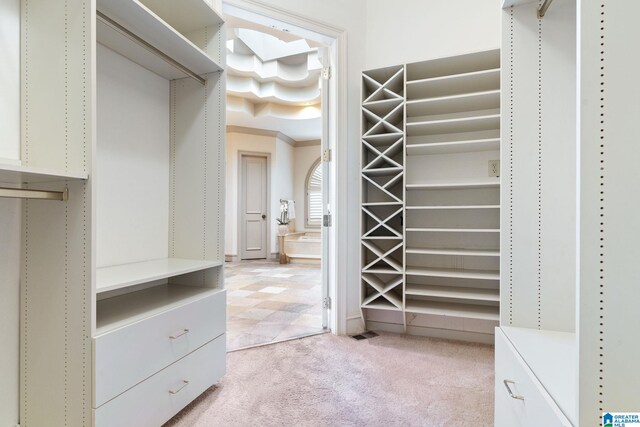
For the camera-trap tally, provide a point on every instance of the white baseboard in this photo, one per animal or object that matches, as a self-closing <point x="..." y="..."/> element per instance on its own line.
<point x="422" y="331"/>
<point x="231" y="258"/>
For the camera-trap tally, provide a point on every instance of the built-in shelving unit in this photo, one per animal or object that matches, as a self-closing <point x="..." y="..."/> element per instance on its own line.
<point x="443" y="247"/>
<point x="125" y="309"/>
<point x="122" y="276"/>
<point x="382" y="189"/>
<point x="118" y="20"/>
<point x="17" y="174"/>
<point x="123" y="280"/>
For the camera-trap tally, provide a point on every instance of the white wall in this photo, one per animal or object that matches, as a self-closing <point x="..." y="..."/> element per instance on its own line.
<point x="414" y="30"/>
<point x="305" y="157"/>
<point x="133" y="158"/>
<point x="10" y="213"/>
<point x="282" y="174"/>
<point x="281" y="178"/>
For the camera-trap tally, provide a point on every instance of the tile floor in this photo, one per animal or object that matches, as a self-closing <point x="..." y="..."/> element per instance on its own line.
<point x="268" y="302"/>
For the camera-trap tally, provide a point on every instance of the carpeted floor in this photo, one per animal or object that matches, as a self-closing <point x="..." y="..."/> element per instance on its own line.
<point x="326" y="380"/>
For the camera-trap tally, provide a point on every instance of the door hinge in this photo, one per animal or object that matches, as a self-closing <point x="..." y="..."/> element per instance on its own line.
<point x="326" y="155"/>
<point x="326" y="220"/>
<point x="326" y="302"/>
<point x="326" y="73"/>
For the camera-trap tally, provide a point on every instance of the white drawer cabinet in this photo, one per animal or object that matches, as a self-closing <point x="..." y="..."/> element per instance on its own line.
<point x="126" y="356"/>
<point x="521" y="400"/>
<point x="157" y="399"/>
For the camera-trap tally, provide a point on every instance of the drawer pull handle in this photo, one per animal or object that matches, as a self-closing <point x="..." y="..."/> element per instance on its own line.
<point x="179" y="389"/>
<point x="184" y="332"/>
<point x="513" y="396"/>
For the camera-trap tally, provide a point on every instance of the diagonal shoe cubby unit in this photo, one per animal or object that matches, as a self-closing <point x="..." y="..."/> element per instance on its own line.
<point x="382" y="178"/>
<point x="430" y="210"/>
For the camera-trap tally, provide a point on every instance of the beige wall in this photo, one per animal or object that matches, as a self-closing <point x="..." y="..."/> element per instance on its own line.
<point x="281" y="182"/>
<point x="305" y="157"/>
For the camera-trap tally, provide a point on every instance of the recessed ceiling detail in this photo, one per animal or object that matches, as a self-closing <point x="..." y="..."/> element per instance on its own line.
<point x="249" y="88"/>
<point x="273" y="82"/>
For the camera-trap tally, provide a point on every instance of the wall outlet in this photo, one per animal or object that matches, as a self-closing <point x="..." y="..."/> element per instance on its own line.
<point x="494" y="167"/>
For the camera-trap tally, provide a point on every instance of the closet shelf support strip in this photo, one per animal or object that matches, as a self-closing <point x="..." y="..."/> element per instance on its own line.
<point x="25" y="193"/>
<point x="131" y="36"/>
<point x="543" y="9"/>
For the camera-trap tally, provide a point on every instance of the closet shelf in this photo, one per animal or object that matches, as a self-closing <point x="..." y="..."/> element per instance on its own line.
<point x="381" y="203"/>
<point x="382" y="171"/>
<point x="492" y="144"/>
<point x="481" y="312"/>
<point x="122" y="310"/>
<point x="453" y="125"/>
<point x="459" y="103"/>
<point x="125" y="275"/>
<point x="453" y="230"/>
<point x="454" y="273"/>
<point x="141" y="21"/>
<point x="462" y="185"/>
<point x="382" y="271"/>
<point x="385" y="305"/>
<point x="453" y="84"/>
<point x="452" y="207"/>
<point x="186" y="15"/>
<point x="381" y="237"/>
<point x="459" y="252"/>
<point x="16" y="174"/>
<point x="453" y="292"/>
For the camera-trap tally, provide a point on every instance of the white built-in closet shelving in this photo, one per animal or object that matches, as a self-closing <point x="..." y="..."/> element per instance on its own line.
<point x="382" y="189"/>
<point x="443" y="220"/>
<point x="122" y="285"/>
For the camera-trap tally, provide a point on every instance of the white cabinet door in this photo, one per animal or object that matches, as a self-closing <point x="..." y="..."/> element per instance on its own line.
<point x="521" y="401"/>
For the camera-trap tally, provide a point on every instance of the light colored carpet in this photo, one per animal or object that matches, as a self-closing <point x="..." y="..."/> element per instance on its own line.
<point x="326" y="380"/>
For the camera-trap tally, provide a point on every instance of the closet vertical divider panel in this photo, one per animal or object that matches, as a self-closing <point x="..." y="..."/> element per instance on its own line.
<point x="382" y="195"/>
<point x="57" y="310"/>
<point x="197" y="156"/>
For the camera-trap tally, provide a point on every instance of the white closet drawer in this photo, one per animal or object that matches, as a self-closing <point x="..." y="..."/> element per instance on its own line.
<point x="157" y="399"/>
<point x="525" y="402"/>
<point x="128" y="355"/>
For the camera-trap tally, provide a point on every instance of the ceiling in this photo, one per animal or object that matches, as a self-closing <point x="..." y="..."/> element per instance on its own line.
<point x="272" y="80"/>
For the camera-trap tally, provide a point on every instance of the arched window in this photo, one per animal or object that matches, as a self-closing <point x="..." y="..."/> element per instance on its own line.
<point x="313" y="201"/>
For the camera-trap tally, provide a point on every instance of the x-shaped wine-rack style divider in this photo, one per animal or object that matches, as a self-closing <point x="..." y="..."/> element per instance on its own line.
<point x="381" y="90"/>
<point x="383" y="156"/>
<point x="384" y="187"/>
<point x="382" y="290"/>
<point x="382" y="223"/>
<point x="383" y="122"/>
<point x="382" y="256"/>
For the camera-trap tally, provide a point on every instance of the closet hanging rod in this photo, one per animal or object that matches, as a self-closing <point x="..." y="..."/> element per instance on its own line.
<point x="25" y="193"/>
<point x="543" y="9"/>
<point x="131" y="36"/>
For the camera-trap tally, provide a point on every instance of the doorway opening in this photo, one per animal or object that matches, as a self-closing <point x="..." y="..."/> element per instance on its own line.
<point x="277" y="247"/>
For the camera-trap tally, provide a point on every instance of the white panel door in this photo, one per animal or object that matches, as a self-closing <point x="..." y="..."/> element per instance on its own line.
<point x="253" y="207"/>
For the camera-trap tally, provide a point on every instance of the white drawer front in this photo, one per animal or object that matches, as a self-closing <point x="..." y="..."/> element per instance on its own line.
<point x="536" y="407"/>
<point x="129" y="355"/>
<point x="157" y="399"/>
